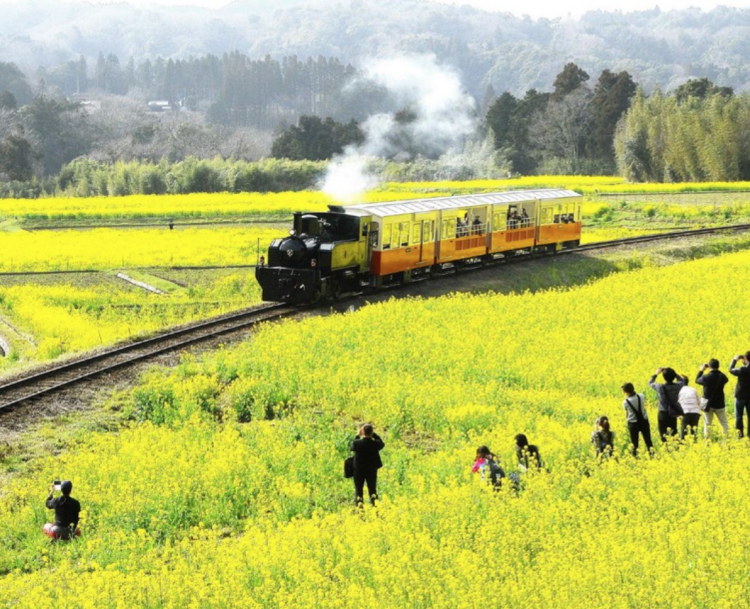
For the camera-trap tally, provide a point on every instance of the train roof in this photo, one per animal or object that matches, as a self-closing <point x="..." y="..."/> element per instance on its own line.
<point x="410" y="206"/>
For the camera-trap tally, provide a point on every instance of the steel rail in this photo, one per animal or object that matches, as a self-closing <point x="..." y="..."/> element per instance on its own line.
<point x="64" y="375"/>
<point x="69" y="373"/>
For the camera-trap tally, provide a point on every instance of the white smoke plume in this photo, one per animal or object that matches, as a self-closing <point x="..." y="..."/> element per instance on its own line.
<point x="442" y="118"/>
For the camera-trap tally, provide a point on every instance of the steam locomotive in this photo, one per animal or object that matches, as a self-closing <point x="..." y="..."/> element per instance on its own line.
<point x="353" y="247"/>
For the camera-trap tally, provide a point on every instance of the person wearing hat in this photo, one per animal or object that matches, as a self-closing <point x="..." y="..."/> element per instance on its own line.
<point x="67" y="512"/>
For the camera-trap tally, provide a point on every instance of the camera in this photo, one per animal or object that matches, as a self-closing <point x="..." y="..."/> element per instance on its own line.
<point x="57" y="484"/>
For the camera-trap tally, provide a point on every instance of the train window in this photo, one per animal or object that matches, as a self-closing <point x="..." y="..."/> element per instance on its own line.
<point x="404" y="233"/>
<point x="416" y="233"/>
<point x="387" y="236"/>
<point x="426" y="232"/>
<point x="498" y="222"/>
<point x="449" y="228"/>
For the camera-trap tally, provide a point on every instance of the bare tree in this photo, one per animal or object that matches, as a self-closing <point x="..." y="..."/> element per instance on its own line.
<point x="560" y="133"/>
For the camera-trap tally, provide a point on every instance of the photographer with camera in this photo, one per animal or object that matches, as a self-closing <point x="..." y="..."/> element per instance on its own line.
<point x="366" y="448"/>
<point x="742" y="391"/>
<point x="713" y="402"/>
<point x="668" y="393"/>
<point x="67" y="512"/>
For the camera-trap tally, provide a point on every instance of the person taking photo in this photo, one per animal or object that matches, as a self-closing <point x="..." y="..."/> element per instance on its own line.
<point x="366" y="448"/>
<point x="67" y="513"/>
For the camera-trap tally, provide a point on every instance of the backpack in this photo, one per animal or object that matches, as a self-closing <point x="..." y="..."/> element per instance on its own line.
<point x="673" y="408"/>
<point x="496" y="472"/>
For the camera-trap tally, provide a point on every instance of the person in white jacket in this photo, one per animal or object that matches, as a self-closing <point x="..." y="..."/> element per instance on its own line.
<point x="691" y="406"/>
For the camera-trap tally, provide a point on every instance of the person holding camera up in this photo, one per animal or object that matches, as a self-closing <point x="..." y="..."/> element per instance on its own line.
<point x="67" y="512"/>
<point x="742" y="391"/>
<point x="366" y="448"/>
<point x="668" y="393"/>
<point x="713" y="395"/>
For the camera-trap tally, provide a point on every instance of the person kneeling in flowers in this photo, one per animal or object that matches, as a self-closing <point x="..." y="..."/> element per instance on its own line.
<point x="67" y="512"/>
<point x="602" y="438"/>
<point x="486" y="465"/>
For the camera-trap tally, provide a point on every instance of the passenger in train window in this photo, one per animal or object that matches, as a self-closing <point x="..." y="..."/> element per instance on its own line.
<point x="514" y="220"/>
<point x="476" y="226"/>
<point x="526" y="221"/>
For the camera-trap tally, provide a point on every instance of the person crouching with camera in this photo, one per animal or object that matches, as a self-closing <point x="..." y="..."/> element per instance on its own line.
<point x="67" y="512"/>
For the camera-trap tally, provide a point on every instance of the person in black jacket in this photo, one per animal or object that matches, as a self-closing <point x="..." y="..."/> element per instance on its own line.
<point x="366" y="448"/>
<point x="67" y="512"/>
<point x="668" y="394"/>
<point x="713" y="392"/>
<point x="742" y="391"/>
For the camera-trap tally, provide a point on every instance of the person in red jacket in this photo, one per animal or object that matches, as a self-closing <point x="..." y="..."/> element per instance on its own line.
<point x="366" y="448"/>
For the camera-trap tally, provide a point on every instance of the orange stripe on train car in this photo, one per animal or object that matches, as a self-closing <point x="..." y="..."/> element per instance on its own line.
<point x="402" y="259"/>
<point x="557" y="233"/>
<point x="514" y="239"/>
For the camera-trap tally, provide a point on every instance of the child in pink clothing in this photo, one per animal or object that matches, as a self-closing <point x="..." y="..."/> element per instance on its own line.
<point x="486" y="465"/>
<point x="480" y="463"/>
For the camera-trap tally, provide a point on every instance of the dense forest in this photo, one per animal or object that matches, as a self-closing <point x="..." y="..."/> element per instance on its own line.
<point x="89" y="92"/>
<point x="511" y="53"/>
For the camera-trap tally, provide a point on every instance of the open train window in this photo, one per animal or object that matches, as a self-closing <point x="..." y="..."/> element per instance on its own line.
<point x="416" y="233"/>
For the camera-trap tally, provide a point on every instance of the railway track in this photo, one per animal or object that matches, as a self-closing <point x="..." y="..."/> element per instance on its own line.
<point x="63" y="376"/>
<point x="57" y="378"/>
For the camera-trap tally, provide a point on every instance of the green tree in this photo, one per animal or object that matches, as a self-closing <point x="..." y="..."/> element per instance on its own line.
<point x="16" y="158"/>
<point x="60" y="130"/>
<point x="611" y="100"/>
<point x="315" y="139"/>
<point x="14" y="81"/>
<point x="571" y="78"/>
<point x="700" y="88"/>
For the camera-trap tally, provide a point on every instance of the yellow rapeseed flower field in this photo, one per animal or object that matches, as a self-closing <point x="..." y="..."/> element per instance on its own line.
<point x="201" y="206"/>
<point x="226" y="490"/>
<point x="117" y="248"/>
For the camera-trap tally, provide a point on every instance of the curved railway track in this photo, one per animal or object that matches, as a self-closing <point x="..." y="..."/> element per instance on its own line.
<point x="39" y="384"/>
